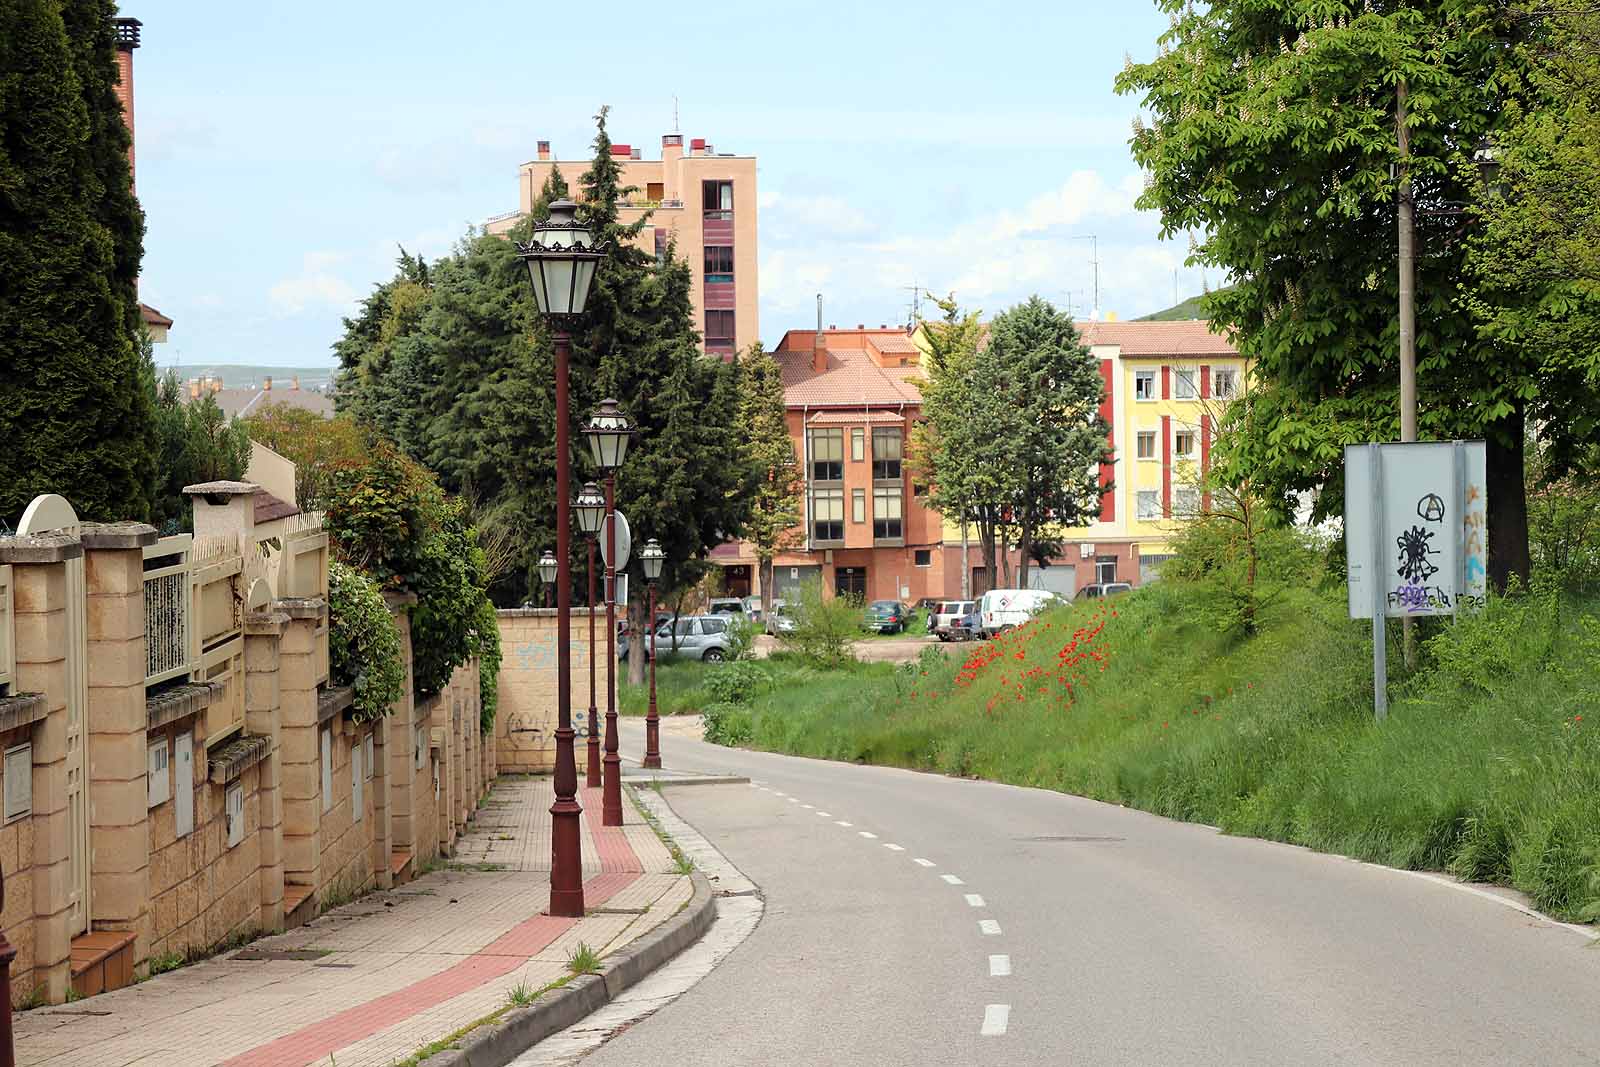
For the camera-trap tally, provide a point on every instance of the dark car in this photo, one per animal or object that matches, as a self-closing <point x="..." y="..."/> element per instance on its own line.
<point x="887" y="616"/>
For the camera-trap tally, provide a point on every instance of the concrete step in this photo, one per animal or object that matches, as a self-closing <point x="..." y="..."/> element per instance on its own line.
<point x="298" y="907"/>
<point x="400" y="865"/>
<point x="102" y="960"/>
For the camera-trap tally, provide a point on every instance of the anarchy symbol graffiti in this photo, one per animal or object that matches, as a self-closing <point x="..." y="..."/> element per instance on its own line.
<point x="1431" y="508"/>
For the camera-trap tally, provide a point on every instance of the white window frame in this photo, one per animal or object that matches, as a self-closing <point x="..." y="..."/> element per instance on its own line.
<point x="1140" y="376"/>
<point x="1153" y="496"/>
<point x="1216" y="382"/>
<point x="1185" y="379"/>
<point x="158" y="773"/>
<point x="233" y="813"/>
<point x="1139" y="439"/>
<point x="421" y="741"/>
<point x="1177" y="434"/>
<point x="19" y="782"/>
<point x="1185" y="502"/>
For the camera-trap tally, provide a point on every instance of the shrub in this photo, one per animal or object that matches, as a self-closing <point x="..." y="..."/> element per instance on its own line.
<point x="363" y="642"/>
<point x="824" y="626"/>
<point x="727" y="724"/>
<point x="741" y="639"/>
<point x="735" y="682"/>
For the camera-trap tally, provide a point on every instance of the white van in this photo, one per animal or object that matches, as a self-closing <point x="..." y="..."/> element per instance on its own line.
<point x="1002" y="609"/>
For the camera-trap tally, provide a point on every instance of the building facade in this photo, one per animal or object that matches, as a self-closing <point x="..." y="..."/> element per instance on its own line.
<point x="853" y="398"/>
<point x="701" y="205"/>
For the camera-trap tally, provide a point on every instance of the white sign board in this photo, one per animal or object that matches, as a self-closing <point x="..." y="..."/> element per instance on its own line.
<point x="624" y="542"/>
<point x="1414" y="526"/>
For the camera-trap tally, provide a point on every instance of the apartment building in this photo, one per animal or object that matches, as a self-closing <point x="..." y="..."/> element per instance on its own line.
<point x="702" y="204"/>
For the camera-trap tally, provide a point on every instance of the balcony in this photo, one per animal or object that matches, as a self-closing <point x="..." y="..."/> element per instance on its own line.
<point x="637" y="204"/>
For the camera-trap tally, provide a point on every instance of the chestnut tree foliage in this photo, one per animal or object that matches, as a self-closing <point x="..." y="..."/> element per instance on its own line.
<point x="1271" y="138"/>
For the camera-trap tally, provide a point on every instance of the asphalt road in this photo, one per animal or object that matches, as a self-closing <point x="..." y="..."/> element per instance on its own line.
<point x="1129" y="939"/>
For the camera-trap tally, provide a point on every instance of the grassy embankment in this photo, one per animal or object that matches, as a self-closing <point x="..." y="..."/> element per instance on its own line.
<point x="1488" y="767"/>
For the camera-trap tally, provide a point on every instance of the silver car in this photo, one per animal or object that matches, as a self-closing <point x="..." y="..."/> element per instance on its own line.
<point x="703" y="637"/>
<point x="947" y="614"/>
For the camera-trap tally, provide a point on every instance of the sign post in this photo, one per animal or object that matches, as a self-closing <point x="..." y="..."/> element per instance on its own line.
<point x="1415" y="518"/>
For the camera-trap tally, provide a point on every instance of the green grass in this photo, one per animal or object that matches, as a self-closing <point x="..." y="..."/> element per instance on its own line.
<point x="583" y="960"/>
<point x="680" y="689"/>
<point x="1488" y="767"/>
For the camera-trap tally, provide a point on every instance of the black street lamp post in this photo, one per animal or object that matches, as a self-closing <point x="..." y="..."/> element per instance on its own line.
<point x="561" y="259"/>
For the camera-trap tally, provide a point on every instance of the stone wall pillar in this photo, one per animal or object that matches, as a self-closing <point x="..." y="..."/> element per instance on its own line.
<point x="382" y="831"/>
<point x="39" y="601"/>
<point x="263" y="635"/>
<point x="119" y="831"/>
<point x="401" y="759"/>
<point x="300" y="764"/>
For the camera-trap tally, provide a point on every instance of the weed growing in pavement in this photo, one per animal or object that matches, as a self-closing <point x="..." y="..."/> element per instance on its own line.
<point x="520" y="996"/>
<point x="583" y="960"/>
<point x="167" y="961"/>
<point x="680" y="861"/>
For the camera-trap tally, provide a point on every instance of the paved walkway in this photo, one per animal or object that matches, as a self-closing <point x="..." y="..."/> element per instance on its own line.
<point x="372" y="982"/>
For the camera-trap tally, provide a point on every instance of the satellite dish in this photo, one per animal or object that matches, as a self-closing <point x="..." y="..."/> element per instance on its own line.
<point x="624" y="542"/>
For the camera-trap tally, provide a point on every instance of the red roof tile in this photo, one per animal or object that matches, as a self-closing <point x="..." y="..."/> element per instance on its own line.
<point x="852" y="377"/>
<point x="1191" y="337"/>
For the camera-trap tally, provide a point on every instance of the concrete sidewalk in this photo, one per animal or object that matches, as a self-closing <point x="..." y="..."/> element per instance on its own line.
<point x="371" y="983"/>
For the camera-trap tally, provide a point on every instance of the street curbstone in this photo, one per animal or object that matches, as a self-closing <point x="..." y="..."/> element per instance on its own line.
<point x="502" y="1041"/>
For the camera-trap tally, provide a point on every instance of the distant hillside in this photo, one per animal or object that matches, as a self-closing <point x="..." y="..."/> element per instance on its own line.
<point x="1189" y="309"/>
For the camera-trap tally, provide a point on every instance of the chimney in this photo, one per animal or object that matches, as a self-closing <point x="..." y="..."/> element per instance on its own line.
<point x="710" y="151"/>
<point x="671" y="146"/>
<point x="216" y="385"/>
<point x="861" y="326"/>
<point x="127" y="31"/>
<point x="697" y="146"/>
<point x="294" y="383"/>
<point x="266" y="386"/>
<point x="194" y="388"/>
<point x="819" y="353"/>
<point x="544" y="150"/>
<point x="621" y="150"/>
<point x="637" y="153"/>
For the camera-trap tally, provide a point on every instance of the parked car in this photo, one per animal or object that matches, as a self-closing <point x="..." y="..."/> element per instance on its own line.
<point x="780" y="620"/>
<point x="703" y="637"/>
<point x="1006" y="609"/>
<point x="1102" y="589"/>
<point x="928" y="603"/>
<point x="725" y="605"/>
<point x="887" y="616"/>
<point x="948" y="613"/>
<point x="968" y="627"/>
<point x="752" y="608"/>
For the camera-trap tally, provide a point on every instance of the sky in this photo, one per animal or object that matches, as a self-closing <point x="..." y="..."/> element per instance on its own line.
<point x="285" y="149"/>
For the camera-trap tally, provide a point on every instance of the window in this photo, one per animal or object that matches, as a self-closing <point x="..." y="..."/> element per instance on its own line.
<point x="1105" y="569"/>
<point x="886" y="454"/>
<point x="157" y="773"/>
<point x="719" y="263"/>
<point x="827" y="456"/>
<point x="1183" y="384"/>
<point x="327" y="769"/>
<point x="1183" y="444"/>
<point x="1224" y="383"/>
<point x="887" y="518"/>
<point x="1144" y="385"/>
<point x="858" y="505"/>
<point x="1149" y="504"/>
<point x="233" y="812"/>
<point x="655" y="191"/>
<point x="661" y="244"/>
<point x="1150" y="568"/>
<point x="1186" y="502"/>
<point x="1147" y="444"/>
<point x="858" y="445"/>
<point x="421" y="751"/>
<point x="719" y="327"/>
<point x="19" y="782"/>
<point x="827" y="515"/>
<point x="357" y="780"/>
<point x="714" y="626"/>
<point x="922" y="557"/>
<point x="717" y="199"/>
<point x="368" y="763"/>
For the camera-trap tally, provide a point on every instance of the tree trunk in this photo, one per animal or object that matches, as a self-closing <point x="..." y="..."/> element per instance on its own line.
<point x="638" y="641"/>
<point x="765" y="567"/>
<point x="1025" y="547"/>
<point x="986" y="547"/>
<point x="1508" y="501"/>
<point x="1005" y="558"/>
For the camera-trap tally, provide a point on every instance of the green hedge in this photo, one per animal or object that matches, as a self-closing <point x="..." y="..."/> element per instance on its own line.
<point x="363" y="642"/>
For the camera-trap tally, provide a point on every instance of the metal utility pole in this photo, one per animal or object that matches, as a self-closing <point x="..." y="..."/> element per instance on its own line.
<point x="1094" y="310"/>
<point x="1406" y="241"/>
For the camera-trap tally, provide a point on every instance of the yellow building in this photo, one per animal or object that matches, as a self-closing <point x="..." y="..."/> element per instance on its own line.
<point x="702" y="204"/>
<point x="1167" y="384"/>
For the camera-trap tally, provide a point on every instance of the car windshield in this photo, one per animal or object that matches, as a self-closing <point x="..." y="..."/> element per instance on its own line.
<point x="884" y="605"/>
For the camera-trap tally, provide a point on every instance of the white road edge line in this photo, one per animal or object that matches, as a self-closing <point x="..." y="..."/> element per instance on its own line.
<point x="920" y="862"/>
<point x="996" y="1017"/>
<point x="952" y="879"/>
<point x="999" y="966"/>
<point x="974" y="900"/>
<point x="989" y="927"/>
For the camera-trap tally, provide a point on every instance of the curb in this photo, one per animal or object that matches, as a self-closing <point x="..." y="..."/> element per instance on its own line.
<point x="501" y="1042"/>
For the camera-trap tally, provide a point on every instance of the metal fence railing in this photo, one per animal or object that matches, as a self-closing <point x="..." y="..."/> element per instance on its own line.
<point x="168" y="604"/>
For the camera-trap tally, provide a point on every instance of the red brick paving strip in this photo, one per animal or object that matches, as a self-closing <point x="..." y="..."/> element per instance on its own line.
<point x="620" y="867"/>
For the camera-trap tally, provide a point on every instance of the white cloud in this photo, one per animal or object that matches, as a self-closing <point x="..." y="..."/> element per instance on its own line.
<point x="785" y="215"/>
<point x="315" y="286"/>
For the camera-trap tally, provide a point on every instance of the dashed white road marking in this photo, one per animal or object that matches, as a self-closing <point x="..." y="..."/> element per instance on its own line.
<point x="988" y="926"/>
<point x="995" y="1018"/>
<point x="920" y="862"/>
<point x="952" y="879"/>
<point x="778" y="794"/>
<point x="867" y="833"/>
<point x="893" y="847"/>
<point x="974" y="900"/>
<point x="794" y="800"/>
<point x="808" y="807"/>
<point x="841" y="822"/>
<point x="824" y="814"/>
<point x="999" y="966"/>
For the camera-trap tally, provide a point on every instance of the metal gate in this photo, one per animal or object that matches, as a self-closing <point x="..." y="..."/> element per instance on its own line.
<point x="52" y="514"/>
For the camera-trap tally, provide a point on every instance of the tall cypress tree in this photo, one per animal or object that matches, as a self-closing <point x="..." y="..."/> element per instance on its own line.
<point x="76" y="403"/>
